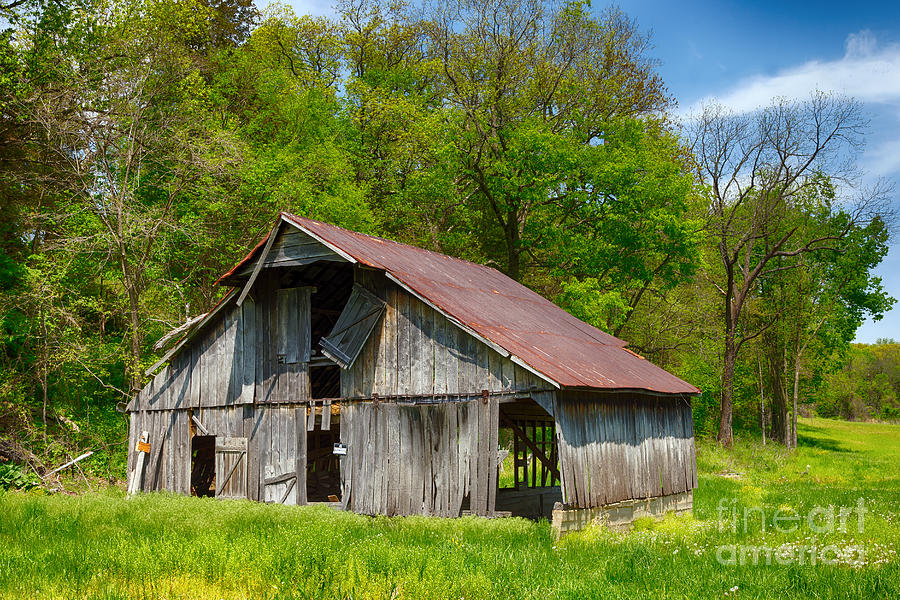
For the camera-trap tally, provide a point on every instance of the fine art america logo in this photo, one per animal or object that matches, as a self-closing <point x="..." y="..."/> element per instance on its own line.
<point x="819" y="520"/>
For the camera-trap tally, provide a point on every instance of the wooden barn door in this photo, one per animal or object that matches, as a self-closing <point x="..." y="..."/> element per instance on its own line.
<point x="231" y="467"/>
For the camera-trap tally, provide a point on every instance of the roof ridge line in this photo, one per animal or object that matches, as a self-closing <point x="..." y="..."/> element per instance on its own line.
<point x="390" y="241"/>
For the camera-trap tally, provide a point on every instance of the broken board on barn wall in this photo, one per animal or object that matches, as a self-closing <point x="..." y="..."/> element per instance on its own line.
<point x="214" y="366"/>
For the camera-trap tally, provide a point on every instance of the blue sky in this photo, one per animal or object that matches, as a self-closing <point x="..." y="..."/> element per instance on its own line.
<point x="744" y="53"/>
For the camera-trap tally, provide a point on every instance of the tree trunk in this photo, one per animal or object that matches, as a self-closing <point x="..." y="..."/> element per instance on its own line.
<point x="796" y="395"/>
<point x="513" y="246"/>
<point x="129" y="282"/>
<point x="45" y="359"/>
<point x="762" y="398"/>
<point x="780" y="421"/>
<point x="726" y="434"/>
<point x="136" y="340"/>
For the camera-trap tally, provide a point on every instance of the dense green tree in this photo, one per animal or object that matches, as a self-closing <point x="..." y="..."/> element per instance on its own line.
<point x="817" y="300"/>
<point x="756" y="166"/>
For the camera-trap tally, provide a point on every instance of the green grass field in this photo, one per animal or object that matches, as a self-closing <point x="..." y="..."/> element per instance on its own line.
<point x="161" y="546"/>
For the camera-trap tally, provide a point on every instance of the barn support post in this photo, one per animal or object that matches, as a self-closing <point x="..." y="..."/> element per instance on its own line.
<point x="142" y="450"/>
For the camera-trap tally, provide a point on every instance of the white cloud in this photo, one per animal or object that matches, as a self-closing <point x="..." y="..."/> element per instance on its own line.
<point x="866" y="72"/>
<point x="861" y="44"/>
<point x="884" y="159"/>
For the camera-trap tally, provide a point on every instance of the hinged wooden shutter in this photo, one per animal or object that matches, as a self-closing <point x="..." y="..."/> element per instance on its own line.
<point x="292" y="325"/>
<point x="353" y="327"/>
<point x="231" y="467"/>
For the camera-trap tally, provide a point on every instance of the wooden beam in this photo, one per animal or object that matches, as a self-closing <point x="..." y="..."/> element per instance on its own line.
<point x="280" y="478"/>
<point x="259" y="261"/>
<point x="287" y="492"/>
<point x="143" y="448"/>
<point x="68" y="464"/>
<point x="538" y="453"/>
<point x="199" y="425"/>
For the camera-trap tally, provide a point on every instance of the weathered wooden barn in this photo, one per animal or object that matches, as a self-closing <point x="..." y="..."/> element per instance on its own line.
<point x="347" y="368"/>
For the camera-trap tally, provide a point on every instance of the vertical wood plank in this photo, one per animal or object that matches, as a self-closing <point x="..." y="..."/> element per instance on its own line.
<point x="493" y="431"/>
<point x="428" y="476"/>
<point x="417" y="461"/>
<point x="482" y="367"/>
<point x="495" y="371"/>
<point x="441" y="354"/>
<point x="464" y="452"/>
<point x="418" y="347"/>
<point x="404" y="358"/>
<point x="236" y="356"/>
<point x="346" y="461"/>
<point x="223" y="364"/>
<point x="395" y="468"/>
<point x="429" y="349"/>
<point x="326" y="415"/>
<point x="248" y="348"/>
<point x="507" y="374"/>
<point x="404" y="501"/>
<point x="372" y="475"/>
<point x="300" y="437"/>
<point x="287" y="320"/>
<point x="389" y="341"/>
<point x="304" y="324"/>
<point x="454" y="493"/>
<point x="480" y="494"/>
<point x="452" y="357"/>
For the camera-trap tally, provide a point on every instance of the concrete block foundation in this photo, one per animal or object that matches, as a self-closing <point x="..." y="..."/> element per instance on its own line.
<point x="621" y="515"/>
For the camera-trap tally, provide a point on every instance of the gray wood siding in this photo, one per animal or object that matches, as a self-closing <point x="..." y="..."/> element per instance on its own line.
<point x="407" y="459"/>
<point x="292" y="247"/>
<point x="217" y="368"/>
<point x="615" y="447"/>
<point x="415" y="351"/>
<point x="253" y="352"/>
<point x="242" y="377"/>
<point x="168" y="466"/>
<point x="276" y="446"/>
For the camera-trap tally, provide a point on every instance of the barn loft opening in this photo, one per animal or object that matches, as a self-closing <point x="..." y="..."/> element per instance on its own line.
<point x="203" y="466"/>
<point x="333" y="286"/>
<point x="332" y="283"/>
<point x="529" y="458"/>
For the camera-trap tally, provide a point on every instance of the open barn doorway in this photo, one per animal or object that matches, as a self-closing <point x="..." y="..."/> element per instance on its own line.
<point x="203" y="466"/>
<point x="529" y="460"/>
<point x="323" y="475"/>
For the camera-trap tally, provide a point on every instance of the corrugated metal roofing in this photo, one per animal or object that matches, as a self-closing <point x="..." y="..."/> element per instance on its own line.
<point x="522" y="322"/>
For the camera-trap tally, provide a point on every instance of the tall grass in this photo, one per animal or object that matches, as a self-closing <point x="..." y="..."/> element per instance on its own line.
<point x="163" y="546"/>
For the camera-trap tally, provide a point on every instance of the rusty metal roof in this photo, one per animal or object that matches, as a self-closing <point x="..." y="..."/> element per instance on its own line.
<point x="526" y="325"/>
